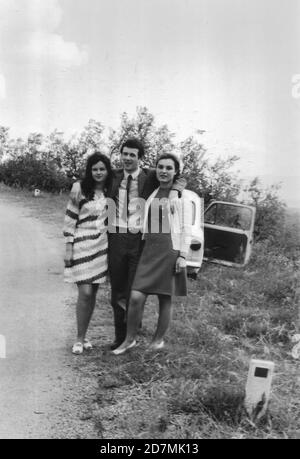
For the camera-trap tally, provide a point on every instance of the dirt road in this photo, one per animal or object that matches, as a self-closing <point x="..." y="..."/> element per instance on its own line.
<point x="41" y="394"/>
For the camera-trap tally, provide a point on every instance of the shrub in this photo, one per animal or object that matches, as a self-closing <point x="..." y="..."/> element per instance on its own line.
<point x="30" y="172"/>
<point x="244" y="322"/>
<point x="270" y="211"/>
<point x="224" y="403"/>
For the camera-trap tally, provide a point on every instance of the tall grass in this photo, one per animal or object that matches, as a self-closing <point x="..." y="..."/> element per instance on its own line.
<point x="194" y="388"/>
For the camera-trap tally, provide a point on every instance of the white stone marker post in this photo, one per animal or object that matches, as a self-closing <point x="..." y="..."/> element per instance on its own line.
<point x="258" y="387"/>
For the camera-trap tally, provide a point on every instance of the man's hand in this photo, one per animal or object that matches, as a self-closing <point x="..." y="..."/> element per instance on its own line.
<point x="173" y="195"/>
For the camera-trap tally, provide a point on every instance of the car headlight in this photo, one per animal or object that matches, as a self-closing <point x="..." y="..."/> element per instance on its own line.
<point x="195" y="246"/>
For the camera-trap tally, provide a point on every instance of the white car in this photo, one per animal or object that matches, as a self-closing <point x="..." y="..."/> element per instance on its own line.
<point x="196" y="251"/>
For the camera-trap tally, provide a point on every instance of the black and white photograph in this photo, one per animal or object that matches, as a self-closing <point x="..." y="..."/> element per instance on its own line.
<point x="149" y="222"/>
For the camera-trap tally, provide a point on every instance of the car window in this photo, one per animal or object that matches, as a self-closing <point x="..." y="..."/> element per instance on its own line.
<point x="231" y="216"/>
<point x="210" y="215"/>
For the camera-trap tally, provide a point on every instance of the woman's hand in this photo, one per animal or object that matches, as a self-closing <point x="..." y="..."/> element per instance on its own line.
<point x="68" y="255"/>
<point x="180" y="264"/>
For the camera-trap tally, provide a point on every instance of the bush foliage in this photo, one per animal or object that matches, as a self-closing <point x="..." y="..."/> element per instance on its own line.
<point x="51" y="163"/>
<point x="29" y="172"/>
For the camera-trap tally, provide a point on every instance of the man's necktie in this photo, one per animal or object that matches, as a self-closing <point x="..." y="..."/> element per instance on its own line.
<point x="125" y="207"/>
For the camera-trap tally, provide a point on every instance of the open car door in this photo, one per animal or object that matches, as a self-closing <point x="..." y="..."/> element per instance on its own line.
<point x="228" y="233"/>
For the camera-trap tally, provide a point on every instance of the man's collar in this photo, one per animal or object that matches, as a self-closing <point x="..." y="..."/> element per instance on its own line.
<point x="134" y="174"/>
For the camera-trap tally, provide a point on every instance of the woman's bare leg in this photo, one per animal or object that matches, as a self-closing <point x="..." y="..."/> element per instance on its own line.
<point x="164" y="318"/>
<point x="134" y="317"/>
<point x="85" y="307"/>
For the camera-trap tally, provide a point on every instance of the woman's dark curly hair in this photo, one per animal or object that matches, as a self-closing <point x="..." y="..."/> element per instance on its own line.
<point x="88" y="183"/>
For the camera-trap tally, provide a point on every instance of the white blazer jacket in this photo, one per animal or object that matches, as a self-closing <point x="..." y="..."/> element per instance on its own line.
<point x="180" y="212"/>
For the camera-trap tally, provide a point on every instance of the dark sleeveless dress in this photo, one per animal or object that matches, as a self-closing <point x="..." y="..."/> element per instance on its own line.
<point x="155" y="274"/>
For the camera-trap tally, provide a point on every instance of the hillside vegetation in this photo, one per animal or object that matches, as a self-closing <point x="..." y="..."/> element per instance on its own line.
<point x="52" y="163"/>
<point x="194" y="388"/>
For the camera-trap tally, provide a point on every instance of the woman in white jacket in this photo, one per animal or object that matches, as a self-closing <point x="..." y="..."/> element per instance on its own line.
<point x="162" y="267"/>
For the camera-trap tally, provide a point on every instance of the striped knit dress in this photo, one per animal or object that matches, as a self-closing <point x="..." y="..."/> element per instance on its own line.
<point x="84" y="226"/>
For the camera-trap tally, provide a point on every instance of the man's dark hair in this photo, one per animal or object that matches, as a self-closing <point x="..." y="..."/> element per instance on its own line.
<point x="88" y="183"/>
<point x="134" y="143"/>
<point x="174" y="159"/>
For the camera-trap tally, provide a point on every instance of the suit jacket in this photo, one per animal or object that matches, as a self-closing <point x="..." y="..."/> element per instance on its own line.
<point x="147" y="183"/>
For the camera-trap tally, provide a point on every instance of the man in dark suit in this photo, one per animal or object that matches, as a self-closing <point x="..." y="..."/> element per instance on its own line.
<point x="124" y="247"/>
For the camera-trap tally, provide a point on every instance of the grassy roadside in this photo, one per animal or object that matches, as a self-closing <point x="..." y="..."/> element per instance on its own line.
<point x="194" y="387"/>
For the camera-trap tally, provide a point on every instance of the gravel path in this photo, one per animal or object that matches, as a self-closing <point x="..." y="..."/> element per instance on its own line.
<point x="43" y="390"/>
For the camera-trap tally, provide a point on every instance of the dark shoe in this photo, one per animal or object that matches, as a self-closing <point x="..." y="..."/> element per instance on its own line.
<point x="120" y="327"/>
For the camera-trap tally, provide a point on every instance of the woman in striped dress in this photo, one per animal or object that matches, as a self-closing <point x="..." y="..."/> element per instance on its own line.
<point x="86" y="241"/>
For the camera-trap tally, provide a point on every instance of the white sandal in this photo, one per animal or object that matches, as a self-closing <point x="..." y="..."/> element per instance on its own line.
<point x="87" y="345"/>
<point x="156" y="346"/>
<point x="121" y="350"/>
<point x="77" y="348"/>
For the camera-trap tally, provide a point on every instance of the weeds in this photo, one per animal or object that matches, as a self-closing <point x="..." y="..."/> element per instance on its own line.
<point x="194" y="387"/>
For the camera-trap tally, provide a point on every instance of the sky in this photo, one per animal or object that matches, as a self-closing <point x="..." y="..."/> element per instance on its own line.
<point x="228" y="67"/>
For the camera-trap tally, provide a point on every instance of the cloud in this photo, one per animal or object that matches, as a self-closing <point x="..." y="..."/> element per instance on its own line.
<point x="52" y="47"/>
<point x="28" y="30"/>
<point x="20" y="17"/>
<point x="2" y="87"/>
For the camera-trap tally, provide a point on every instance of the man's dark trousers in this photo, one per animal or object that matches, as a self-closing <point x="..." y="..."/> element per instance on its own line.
<point x="123" y="255"/>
